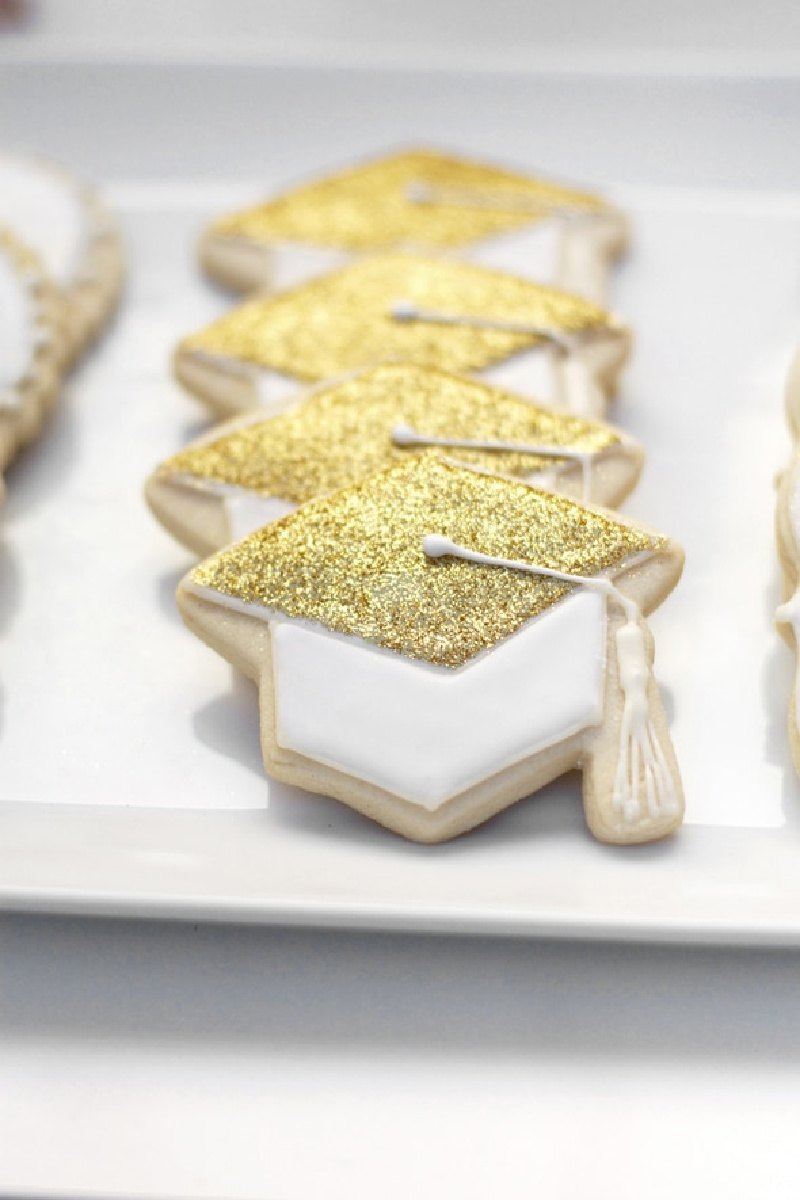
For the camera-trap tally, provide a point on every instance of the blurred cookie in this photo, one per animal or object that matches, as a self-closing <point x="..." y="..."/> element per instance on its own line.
<point x="434" y="643"/>
<point x="78" y="241"/>
<point x="33" y="344"/>
<point x="429" y="203"/>
<point x="537" y="341"/>
<point x="256" y="469"/>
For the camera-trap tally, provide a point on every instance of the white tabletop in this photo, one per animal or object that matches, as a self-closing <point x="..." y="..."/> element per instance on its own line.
<point x="146" y="1058"/>
<point x="172" y="1060"/>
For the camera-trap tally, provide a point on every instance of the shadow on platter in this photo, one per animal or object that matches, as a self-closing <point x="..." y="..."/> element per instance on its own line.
<point x="668" y="701"/>
<point x="165" y="592"/>
<point x="10" y="586"/>
<point x="777" y="678"/>
<point x="229" y="725"/>
<point x="39" y="471"/>
<point x="552" y="814"/>
<point x="198" y="427"/>
<point x="322" y="818"/>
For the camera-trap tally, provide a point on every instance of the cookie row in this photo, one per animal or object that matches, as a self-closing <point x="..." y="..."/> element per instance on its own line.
<point x="439" y="617"/>
<point x="61" y="272"/>
<point x="417" y="257"/>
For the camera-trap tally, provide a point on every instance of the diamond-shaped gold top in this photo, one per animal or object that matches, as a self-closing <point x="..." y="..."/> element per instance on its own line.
<point x="343" y="433"/>
<point x="343" y="321"/>
<point x="354" y="561"/>
<point x="373" y="206"/>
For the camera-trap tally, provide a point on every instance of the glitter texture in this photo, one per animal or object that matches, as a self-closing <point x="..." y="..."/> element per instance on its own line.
<point x="370" y="208"/>
<point x="354" y="561"/>
<point x="344" y="433"/>
<point x="344" y="321"/>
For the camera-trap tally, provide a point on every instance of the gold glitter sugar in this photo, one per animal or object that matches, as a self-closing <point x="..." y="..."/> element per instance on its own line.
<point x="343" y="433"/>
<point x="343" y="321"/>
<point x="370" y="207"/>
<point x="354" y="561"/>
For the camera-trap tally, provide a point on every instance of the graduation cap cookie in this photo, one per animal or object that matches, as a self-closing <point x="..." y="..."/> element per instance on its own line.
<point x="426" y="202"/>
<point x="434" y="643"/>
<point x="65" y="222"/>
<point x="256" y="469"/>
<point x="538" y="341"/>
<point x="33" y="345"/>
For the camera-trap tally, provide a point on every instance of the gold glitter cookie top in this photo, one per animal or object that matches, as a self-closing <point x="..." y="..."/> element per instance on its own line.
<point x="354" y="561"/>
<point x="344" y="321"/>
<point x="342" y="434"/>
<point x="373" y="207"/>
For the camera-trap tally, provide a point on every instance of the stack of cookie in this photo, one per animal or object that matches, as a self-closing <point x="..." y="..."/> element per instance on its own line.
<point x="61" y="271"/>
<point x="439" y="617"/>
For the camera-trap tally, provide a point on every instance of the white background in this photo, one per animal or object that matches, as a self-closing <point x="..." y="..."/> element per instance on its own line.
<point x="620" y="36"/>
<point x="179" y="1059"/>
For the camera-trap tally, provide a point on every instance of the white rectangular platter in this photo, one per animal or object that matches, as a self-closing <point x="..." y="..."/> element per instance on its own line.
<point x="131" y="773"/>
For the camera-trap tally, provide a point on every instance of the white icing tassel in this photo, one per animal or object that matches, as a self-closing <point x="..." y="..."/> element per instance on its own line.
<point x="405" y="311"/>
<point x="405" y="435"/>
<point x="642" y="770"/>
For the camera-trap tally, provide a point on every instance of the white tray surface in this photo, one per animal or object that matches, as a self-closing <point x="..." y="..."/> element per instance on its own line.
<point x="131" y="763"/>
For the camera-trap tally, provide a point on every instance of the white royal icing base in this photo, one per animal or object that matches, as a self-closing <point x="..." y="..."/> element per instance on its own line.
<point x="270" y="388"/>
<point x="643" y="781"/>
<point x="427" y="733"/>
<point x="273" y="388"/>
<point x="531" y="373"/>
<point x="246" y="511"/>
<point x="293" y="263"/>
<point x="46" y="212"/>
<point x="16" y="329"/>
<point x="559" y="381"/>
<point x="532" y="253"/>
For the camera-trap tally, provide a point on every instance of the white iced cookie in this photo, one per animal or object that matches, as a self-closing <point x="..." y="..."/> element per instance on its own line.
<point x="434" y="643"/>
<point x="256" y="469"/>
<point x="545" y="344"/>
<point x="33" y="345"/>
<point x="73" y="233"/>
<point x="429" y="203"/>
<point x="787" y="526"/>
